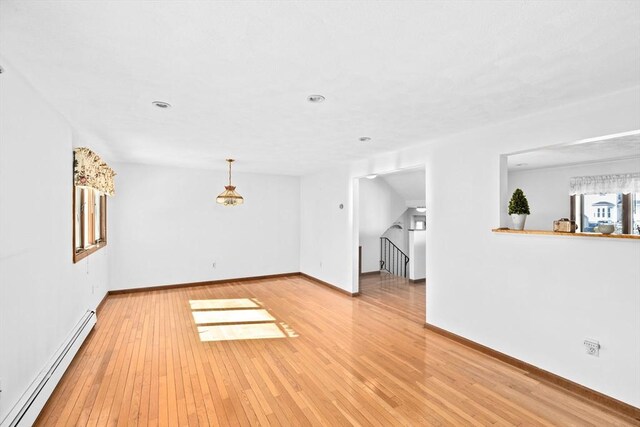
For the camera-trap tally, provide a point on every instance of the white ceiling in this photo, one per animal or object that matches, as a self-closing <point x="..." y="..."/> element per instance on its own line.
<point x="579" y="152"/>
<point x="237" y="73"/>
<point x="410" y="184"/>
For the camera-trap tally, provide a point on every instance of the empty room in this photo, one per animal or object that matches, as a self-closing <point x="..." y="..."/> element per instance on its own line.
<point x="332" y="213"/>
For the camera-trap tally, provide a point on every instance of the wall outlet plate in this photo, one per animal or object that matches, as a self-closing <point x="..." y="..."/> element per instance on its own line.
<point x="592" y="347"/>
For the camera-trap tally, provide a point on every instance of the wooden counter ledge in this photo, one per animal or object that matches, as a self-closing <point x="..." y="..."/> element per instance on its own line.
<point x="555" y="233"/>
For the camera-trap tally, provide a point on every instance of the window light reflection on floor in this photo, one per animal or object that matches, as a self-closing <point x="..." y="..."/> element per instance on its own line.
<point x="221" y="304"/>
<point x="236" y="319"/>
<point x="232" y="316"/>
<point x="247" y="331"/>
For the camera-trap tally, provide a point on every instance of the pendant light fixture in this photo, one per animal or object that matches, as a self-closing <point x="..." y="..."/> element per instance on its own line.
<point x="229" y="197"/>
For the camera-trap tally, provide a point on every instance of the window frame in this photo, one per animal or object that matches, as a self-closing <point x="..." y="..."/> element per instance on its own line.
<point x="82" y="252"/>
<point x="627" y="212"/>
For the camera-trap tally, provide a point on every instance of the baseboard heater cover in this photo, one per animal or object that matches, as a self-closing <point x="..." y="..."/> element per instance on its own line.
<point x="27" y="409"/>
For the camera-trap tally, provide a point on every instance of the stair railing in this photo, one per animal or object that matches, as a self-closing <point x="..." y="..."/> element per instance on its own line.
<point x="392" y="259"/>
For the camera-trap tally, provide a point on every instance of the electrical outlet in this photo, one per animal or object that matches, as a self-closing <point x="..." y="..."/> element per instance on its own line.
<point x="213" y="265"/>
<point x="592" y="347"/>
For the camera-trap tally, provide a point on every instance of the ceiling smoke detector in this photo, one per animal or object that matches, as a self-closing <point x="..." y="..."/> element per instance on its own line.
<point x="364" y="139"/>
<point x="315" y="98"/>
<point x="161" y="104"/>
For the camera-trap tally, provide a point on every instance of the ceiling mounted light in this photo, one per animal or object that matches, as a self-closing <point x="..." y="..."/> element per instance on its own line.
<point x="315" y="98"/>
<point x="229" y="197"/>
<point x="372" y="176"/>
<point x="161" y="104"/>
<point x="421" y="209"/>
<point x="364" y="139"/>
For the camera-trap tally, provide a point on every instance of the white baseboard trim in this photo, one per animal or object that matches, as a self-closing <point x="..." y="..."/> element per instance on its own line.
<point x="25" y="412"/>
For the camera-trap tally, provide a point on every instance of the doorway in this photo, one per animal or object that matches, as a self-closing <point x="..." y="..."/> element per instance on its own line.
<point x="390" y="240"/>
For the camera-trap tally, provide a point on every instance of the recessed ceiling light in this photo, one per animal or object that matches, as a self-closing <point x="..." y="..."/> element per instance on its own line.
<point x="372" y="176"/>
<point x="365" y="139"/>
<point x="315" y="98"/>
<point x="161" y="104"/>
<point x="421" y="209"/>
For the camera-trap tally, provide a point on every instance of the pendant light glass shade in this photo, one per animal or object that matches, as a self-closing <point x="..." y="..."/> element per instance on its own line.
<point x="229" y="197"/>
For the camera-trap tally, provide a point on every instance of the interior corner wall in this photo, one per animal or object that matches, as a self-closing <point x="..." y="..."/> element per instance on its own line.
<point x="42" y="293"/>
<point x="326" y="229"/>
<point x="498" y="289"/>
<point x="380" y="206"/>
<point x="547" y="189"/>
<point x="166" y="227"/>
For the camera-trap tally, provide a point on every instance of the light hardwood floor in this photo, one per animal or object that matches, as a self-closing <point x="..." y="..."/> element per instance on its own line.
<point x="395" y="295"/>
<point x="342" y="361"/>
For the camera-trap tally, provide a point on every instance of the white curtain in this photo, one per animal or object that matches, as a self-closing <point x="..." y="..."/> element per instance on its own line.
<point x="619" y="183"/>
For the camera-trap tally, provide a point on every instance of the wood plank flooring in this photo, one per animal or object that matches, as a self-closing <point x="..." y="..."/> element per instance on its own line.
<point x="340" y="361"/>
<point x="395" y="295"/>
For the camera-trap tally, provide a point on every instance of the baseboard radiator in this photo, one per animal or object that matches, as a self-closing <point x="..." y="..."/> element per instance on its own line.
<point x="25" y="412"/>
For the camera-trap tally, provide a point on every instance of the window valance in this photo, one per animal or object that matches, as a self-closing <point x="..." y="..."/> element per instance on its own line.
<point x="90" y="171"/>
<point x="619" y="183"/>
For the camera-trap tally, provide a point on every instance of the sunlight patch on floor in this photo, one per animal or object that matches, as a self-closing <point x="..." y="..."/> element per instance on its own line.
<point x="232" y="316"/>
<point x="221" y="304"/>
<point x="236" y="319"/>
<point x="247" y="331"/>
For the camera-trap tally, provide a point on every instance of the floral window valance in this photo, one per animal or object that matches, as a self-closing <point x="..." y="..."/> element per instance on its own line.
<point x="90" y="171"/>
<point x="620" y="183"/>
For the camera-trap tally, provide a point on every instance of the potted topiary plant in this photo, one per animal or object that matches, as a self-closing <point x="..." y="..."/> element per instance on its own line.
<point x="518" y="209"/>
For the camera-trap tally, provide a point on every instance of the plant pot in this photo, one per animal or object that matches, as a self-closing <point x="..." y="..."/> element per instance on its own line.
<point x="518" y="221"/>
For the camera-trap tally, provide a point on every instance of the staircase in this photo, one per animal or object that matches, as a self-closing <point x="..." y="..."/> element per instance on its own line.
<point x="392" y="259"/>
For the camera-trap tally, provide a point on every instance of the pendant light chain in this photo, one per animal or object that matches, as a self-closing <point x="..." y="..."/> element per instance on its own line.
<point x="230" y="161"/>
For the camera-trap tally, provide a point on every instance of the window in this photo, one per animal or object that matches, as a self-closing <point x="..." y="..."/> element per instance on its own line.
<point x="90" y="222"/>
<point x="418" y="222"/>
<point x="92" y="183"/>
<point x="622" y="210"/>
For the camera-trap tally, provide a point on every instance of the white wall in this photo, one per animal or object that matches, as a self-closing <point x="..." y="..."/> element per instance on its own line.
<point x="532" y="297"/>
<point x="325" y="228"/>
<point x="417" y="254"/>
<point x="380" y="206"/>
<point x="547" y="189"/>
<point x="166" y="228"/>
<point x="42" y="293"/>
